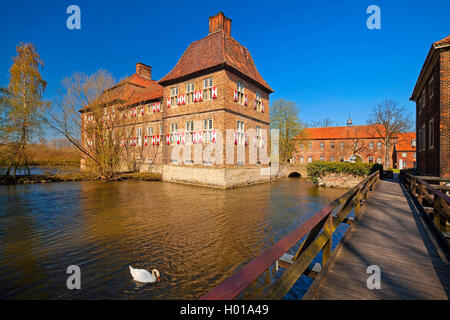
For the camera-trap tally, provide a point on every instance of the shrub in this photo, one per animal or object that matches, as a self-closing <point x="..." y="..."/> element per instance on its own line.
<point x="319" y="169"/>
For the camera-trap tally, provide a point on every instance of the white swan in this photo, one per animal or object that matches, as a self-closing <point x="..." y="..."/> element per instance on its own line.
<point x="142" y="275"/>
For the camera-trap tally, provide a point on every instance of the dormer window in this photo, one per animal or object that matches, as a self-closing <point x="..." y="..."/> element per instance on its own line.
<point x="207" y="88"/>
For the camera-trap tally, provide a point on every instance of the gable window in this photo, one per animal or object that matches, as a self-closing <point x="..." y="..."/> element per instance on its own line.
<point x="207" y="130"/>
<point x="173" y="131"/>
<point x="240" y="132"/>
<point x="431" y="88"/>
<point x="174" y="96"/>
<point x="240" y="92"/>
<point x="207" y="88"/>
<point x="431" y="133"/>
<point x="189" y="131"/>
<point x="190" y="92"/>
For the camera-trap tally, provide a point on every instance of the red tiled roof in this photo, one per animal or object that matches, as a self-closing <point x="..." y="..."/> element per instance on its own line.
<point x="347" y="132"/>
<point x="443" y="41"/>
<point x="132" y="90"/>
<point x="214" y="50"/>
<point x="405" y="141"/>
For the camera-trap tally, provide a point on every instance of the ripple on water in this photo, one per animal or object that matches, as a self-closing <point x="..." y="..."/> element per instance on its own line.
<point x="195" y="236"/>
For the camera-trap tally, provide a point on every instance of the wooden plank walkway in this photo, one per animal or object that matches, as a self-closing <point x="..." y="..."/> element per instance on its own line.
<point x="392" y="234"/>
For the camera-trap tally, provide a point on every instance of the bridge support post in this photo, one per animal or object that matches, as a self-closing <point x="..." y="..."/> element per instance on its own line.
<point x="328" y="228"/>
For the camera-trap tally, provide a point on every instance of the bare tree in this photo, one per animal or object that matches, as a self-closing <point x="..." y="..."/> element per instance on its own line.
<point x="104" y="130"/>
<point x="388" y="119"/>
<point x="327" y="122"/>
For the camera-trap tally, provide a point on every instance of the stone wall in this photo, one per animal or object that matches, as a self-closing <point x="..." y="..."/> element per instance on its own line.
<point x="339" y="180"/>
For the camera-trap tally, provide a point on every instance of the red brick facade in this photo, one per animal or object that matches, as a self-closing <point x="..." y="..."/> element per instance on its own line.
<point x="432" y="96"/>
<point x="349" y="143"/>
<point x="213" y="87"/>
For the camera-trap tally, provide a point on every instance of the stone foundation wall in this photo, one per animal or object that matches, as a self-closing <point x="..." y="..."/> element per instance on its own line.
<point x="339" y="180"/>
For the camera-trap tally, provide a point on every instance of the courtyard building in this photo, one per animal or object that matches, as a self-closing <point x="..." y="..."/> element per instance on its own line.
<point x="359" y="143"/>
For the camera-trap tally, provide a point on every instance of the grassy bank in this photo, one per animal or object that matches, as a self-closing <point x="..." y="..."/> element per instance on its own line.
<point x="80" y="176"/>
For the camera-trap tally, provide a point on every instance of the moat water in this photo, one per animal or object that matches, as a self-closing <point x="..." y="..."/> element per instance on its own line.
<point x="195" y="236"/>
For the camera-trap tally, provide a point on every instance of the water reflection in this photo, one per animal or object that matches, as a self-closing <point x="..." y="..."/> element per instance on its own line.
<point x="194" y="236"/>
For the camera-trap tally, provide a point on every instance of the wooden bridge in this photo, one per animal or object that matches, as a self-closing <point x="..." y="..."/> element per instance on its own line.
<point x="399" y="229"/>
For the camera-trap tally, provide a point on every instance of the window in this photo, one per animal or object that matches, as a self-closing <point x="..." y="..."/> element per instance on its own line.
<point x="301" y="159"/>
<point x="341" y="159"/>
<point x="379" y="160"/>
<point x="207" y="88"/>
<point x="404" y="154"/>
<point x="258" y="101"/>
<point x="356" y="145"/>
<point x="370" y="159"/>
<point x="173" y="96"/>
<point x="424" y="139"/>
<point x="189" y="131"/>
<point x="341" y="146"/>
<point x="302" y="146"/>
<point x="207" y="130"/>
<point x="161" y="130"/>
<point x="332" y="158"/>
<point x="310" y="145"/>
<point x="321" y="158"/>
<point x="149" y="131"/>
<point x="309" y="159"/>
<point x="322" y="145"/>
<point x="414" y="155"/>
<point x="431" y="88"/>
<point x="240" y="133"/>
<point x="139" y="136"/>
<point x="431" y="133"/>
<point x="331" y="145"/>
<point x="379" y="145"/>
<point x="173" y="131"/>
<point x="422" y="100"/>
<point x="240" y="92"/>
<point x="190" y="92"/>
<point x="371" y="145"/>
<point x="258" y="136"/>
<point x="413" y="143"/>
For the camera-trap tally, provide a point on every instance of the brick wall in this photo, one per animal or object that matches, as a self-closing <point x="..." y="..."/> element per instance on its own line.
<point x="444" y="123"/>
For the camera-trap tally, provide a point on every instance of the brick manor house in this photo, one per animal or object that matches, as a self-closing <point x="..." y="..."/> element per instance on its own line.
<point x="432" y="96"/>
<point x="354" y="143"/>
<point x="215" y="86"/>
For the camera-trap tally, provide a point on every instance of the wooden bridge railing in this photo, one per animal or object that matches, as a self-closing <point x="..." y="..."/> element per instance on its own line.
<point x="440" y="202"/>
<point x="318" y="231"/>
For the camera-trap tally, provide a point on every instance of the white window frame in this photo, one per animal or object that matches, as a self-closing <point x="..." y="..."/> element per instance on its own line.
<point x="240" y="88"/>
<point x="207" y="88"/>
<point x="207" y="130"/>
<point x="189" y="125"/>
<point x="190" y="88"/>
<point x="240" y="132"/>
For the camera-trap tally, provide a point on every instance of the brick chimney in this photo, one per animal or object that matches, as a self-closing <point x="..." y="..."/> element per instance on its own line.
<point x="220" y="23"/>
<point x="143" y="70"/>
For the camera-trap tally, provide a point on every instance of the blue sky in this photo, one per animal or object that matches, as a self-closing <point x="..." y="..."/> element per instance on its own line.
<point x="319" y="54"/>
